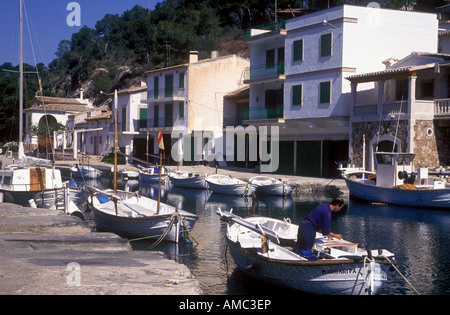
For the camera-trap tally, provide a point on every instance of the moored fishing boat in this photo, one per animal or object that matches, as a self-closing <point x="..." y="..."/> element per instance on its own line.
<point x="22" y="184"/>
<point x="339" y="267"/>
<point x="227" y="185"/>
<point x="397" y="182"/>
<point x="151" y="174"/>
<point x="85" y="172"/>
<point x="187" y="180"/>
<point x="266" y="185"/>
<point x="132" y="216"/>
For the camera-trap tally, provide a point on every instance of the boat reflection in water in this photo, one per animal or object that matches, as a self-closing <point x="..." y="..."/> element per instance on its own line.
<point x="418" y="237"/>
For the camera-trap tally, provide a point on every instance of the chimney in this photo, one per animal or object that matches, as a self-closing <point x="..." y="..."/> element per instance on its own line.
<point x="214" y="54"/>
<point x="81" y="95"/>
<point x="193" y="56"/>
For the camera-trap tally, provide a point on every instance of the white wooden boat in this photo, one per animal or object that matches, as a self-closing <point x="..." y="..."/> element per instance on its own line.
<point x="227" y="185"/>
<point x="187" y="180"/>
<point x="266" y="185"/>
<point x="340" y="267"/>
<point x="130" y="175"/>
<point x="85" y="172"/>
<point x="135" y="217"/>
<point x="151" y="174"/>
<point x="396" y="182"/>
<point x="22" y="184"/>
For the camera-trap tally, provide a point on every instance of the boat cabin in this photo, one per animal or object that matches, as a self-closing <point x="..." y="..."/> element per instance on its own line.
<point x="395" y="168"/>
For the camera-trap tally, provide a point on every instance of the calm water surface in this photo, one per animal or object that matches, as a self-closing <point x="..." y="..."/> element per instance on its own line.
<point x="420" y="238"/>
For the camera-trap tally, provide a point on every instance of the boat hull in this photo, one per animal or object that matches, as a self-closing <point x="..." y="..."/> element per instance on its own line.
<point x="318" y="277"/>
<point x="148" y="227"/>
<point x="232" y="189"/>
<point x="19" y="197"/>
<point x="86" y="174"/>
<point x="189" y="182"/>
<point x="427" y="198"/>
<point x="152" y="178"/>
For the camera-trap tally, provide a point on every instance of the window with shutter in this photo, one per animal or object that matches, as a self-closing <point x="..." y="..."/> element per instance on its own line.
<point x="298" y="50"/>
<point x="325" y="45"/>
<point x="297" y="95"/>
<point x="325" y="92"/>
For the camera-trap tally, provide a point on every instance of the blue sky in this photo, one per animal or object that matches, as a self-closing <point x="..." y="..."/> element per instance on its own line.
<point x="48" y="25"/>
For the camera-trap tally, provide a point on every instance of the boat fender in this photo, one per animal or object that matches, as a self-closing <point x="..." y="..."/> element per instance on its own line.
<point x="369" y="254"/>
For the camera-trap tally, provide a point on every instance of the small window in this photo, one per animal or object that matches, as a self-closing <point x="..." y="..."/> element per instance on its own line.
<point x="325" y="45"/>
<point x="325" y="92"/>
<point x="181" y="110"/>
<point x="156" y="87"/>
<point x="298" y="50"/>
<point x="427" y="88"/>
<point x="181" y="80"/>
<point x="402" y="90"/>
<point x="270" y="59"/>
<point x="297" y="95"/>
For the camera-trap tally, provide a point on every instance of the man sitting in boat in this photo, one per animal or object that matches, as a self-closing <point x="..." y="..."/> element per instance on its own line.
<point x="318" y="219"/>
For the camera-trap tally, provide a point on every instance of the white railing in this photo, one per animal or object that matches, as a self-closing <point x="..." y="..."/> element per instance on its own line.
<point x="442" y="107"/>
<point x="386" y="109"/>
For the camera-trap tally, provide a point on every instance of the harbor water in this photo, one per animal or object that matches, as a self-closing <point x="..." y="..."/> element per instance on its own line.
<point x="419" y="237"/>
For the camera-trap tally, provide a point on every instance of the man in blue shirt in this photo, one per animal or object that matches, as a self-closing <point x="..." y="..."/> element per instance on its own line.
<point x="318" y="219"/>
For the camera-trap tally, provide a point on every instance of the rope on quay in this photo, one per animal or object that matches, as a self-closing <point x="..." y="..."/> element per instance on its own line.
<point x="175" y="282"/>
<point x="402" y="275"/>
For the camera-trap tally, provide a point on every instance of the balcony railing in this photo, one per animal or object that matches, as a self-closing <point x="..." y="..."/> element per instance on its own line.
<point x="160" y="123"/>
<point x="165" y="93"/>
<point x="264" y="71"/>
<point x="387" y="108"/>
<point x="269" y="27"/>
<point x="258" y="113"/>
<point x="125" y="126"/>
<point x="442" y="107"/>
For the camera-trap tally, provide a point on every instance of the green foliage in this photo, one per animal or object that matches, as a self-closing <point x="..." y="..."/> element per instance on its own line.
<point x="46" y="130"/>
<point x="109" y="159"/>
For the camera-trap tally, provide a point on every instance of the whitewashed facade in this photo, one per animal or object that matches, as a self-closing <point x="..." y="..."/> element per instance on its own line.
<point x="308" y="96"/>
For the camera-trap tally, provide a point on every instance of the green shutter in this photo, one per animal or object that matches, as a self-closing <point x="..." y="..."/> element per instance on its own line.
<point x="143" y="118"/>
<point x="156" y="87"/>
<point x="181" y="110"/>
<point x="325" y="45"/>
<point x="181" y="80"/>
<point x="298" y="50"/>
<point x="297" y="95"/>
<point x="156" y="116"/>
<point x="270" y="59"/>
<point x="124" y="119"/>
<point x="325" y="92"/>
<point x="169" y="85"/>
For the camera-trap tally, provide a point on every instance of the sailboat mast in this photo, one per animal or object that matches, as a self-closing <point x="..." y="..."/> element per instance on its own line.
<point x="21" y="148"/>
<point x="115" y="140"/>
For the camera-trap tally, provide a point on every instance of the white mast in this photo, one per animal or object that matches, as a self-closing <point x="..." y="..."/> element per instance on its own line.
<point x="21" y="148"/>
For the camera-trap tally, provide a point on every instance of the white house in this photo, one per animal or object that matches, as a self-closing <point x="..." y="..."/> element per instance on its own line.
<point x="91" y="132"/>
<point x="187" y="101"/>
<point x="46" y="110"/>
<point x="131" y="118"/>
<point x="297" y="76"/>
<point x="409" y="111"/>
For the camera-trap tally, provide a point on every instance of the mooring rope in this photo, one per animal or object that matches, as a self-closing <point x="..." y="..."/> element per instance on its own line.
<point x="412" y="287"/>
